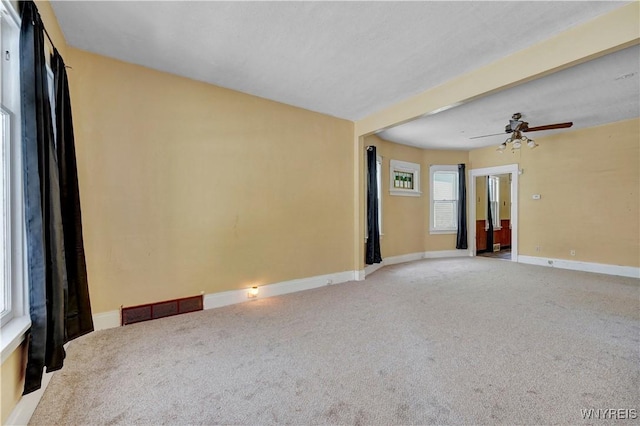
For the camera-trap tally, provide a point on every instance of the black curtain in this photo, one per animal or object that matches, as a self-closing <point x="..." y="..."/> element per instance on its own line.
<point x="46" y="260"/>
<point x="373" y="232"/>
<point x="461" y="239"/>
<point x="78" y="314"/>
<point x="489" y="217"/>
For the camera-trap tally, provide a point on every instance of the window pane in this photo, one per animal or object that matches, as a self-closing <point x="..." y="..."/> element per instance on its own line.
<point x="445" y="215"/>
<point x="444" y="185"/>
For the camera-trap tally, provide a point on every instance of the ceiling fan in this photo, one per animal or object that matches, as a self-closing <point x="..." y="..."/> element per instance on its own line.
<point x="516" y="127"/>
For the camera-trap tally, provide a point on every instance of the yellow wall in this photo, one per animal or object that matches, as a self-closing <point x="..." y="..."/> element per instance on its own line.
<point x="589" y="182"/>
<point x="405" y="220"/>
<point x="481" y="198"/>
<point x="505" y="197"/>
<point x="12" y="381"/>
<point x="187" y="187"/>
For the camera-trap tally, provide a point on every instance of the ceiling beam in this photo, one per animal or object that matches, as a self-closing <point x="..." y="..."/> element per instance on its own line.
<point x="605" y="34"/>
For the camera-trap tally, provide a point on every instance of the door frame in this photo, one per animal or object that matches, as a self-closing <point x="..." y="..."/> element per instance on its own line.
<point x="514" y="171"/>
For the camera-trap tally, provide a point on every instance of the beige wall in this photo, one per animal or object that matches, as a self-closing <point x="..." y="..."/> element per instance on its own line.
<point x="12" y="381"/>
<point x="589" y="182"/>
<point x="505" y="197"/>
<point x="405" y="220"/>
<point x="481" y="197"/>
<point x="190" y="188"/>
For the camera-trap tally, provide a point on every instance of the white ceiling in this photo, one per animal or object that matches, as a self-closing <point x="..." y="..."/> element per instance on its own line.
<point x="600" y="91"/>
<point x="348" y="59"/>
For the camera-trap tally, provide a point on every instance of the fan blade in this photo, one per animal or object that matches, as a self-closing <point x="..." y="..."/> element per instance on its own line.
<point x="549" y="127"/>
<point x="486" y="136"/>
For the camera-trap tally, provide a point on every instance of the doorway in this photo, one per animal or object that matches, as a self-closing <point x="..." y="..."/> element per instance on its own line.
<point x="493" y="216"/>
<point x="494" y="195"/>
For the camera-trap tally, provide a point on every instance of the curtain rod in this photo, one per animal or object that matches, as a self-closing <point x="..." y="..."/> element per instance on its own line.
<point x="48" y="36"/>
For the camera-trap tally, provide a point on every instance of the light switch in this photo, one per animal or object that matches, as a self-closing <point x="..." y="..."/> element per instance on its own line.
<point x="536" y="196"/>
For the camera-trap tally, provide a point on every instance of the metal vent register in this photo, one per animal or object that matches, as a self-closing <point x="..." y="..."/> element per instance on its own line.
<point x="156" y="310"/>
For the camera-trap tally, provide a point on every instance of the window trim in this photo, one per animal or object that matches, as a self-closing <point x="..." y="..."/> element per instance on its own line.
<point x="432" y="170"/>
<point x="404" y="167"/>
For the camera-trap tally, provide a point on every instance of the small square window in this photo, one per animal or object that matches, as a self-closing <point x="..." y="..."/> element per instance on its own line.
<point x="405" y="178"/>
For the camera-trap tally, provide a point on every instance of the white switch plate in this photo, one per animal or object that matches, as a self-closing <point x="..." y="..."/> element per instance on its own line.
<point x="536" y="196"/>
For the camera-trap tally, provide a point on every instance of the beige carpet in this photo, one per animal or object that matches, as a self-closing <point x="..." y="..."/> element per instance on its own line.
<point x="449" y="341"/>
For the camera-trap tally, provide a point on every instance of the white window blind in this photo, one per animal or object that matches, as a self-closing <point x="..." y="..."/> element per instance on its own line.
<point x="444" y="199"/>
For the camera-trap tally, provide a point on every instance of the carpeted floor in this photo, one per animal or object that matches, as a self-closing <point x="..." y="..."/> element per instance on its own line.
<point x="447" y="341"/>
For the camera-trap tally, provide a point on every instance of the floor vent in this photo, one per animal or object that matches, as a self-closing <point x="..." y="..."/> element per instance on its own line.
<point x="133" y="314"/>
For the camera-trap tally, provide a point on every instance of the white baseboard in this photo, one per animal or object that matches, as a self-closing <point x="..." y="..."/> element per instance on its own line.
<point x="370" y="269"/>
<point x="446" y="253"/>
<point x="216" y="300"/>
<point x="600" y="268"/>
<point x="104" y="320"/>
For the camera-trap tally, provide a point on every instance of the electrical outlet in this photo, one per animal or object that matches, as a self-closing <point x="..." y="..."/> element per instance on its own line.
<point x="537" y="248"/>
<point x="572" y="252"/>
<point x="329" y="281"/>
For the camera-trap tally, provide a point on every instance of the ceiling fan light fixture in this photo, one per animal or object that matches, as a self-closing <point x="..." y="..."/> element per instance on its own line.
<point x="532" y="144"/>
<point x="517" y="144"/>
<point x="502" y="147"/>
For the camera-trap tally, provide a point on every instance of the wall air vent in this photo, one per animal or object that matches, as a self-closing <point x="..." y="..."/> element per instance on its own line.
<point x="150" y="311"/>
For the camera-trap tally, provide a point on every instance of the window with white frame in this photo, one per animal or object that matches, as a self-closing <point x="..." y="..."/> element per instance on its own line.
<point x="404" y="178"/>
<point x="14" y="315"/>
<point x="493" y="189"/>
<point x="443" y="185"/>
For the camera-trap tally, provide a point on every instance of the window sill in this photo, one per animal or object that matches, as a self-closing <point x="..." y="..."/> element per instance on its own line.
<point x="13" y="334"/>
<point x="446" y="231"/>
<point x="405" y="193"/>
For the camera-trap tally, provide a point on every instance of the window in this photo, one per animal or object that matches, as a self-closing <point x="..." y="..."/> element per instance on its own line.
<point x="444" y="199"/>
<point x="494" y="202"/>
<point x="14" y="313"/>
<point x="404" y="178"/>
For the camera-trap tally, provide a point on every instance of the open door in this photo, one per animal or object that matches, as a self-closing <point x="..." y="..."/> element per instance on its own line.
<point x="493" y="219"/>
<point x="493" y="216"/>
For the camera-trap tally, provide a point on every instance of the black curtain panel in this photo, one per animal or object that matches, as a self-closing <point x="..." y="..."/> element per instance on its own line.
<point x="489" y="217"/>
<point x="46" y="260"/>
<point x="78" y="314"/>
<point x="461" y="239"/>
<point x="373" y="230"/>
